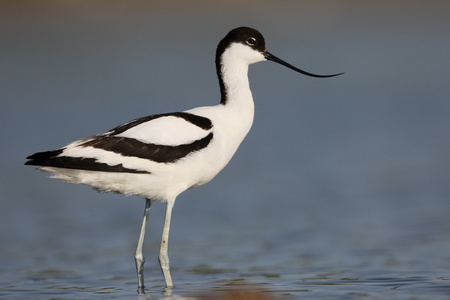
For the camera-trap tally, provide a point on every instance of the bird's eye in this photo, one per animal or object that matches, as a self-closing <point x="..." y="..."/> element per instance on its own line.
<point x="251" y="41"/>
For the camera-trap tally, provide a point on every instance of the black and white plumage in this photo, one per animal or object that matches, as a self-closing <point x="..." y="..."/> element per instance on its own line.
<point x="160" y="156"/>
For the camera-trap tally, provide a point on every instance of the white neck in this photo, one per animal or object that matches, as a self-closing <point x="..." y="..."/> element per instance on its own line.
<point x="239" y="100"/>
<point x="233" y="72"/>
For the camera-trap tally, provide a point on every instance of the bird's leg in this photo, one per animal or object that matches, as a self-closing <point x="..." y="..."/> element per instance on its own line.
<point x="163" y="256"/>
<point x="138" y="256"/>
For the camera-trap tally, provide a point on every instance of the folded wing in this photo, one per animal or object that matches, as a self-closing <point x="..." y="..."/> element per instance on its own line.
<point x="134" y="146"/>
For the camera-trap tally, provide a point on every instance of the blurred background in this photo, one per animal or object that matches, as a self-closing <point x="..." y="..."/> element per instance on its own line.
<point x="339" y="178"/>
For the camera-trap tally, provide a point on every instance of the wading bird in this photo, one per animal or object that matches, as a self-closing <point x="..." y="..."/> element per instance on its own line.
<point x="160" y="156"/>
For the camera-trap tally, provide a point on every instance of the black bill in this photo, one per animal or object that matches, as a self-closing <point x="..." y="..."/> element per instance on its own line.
<point x="272" y="57"/>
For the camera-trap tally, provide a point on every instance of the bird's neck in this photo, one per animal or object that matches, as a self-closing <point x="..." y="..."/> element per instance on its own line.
<point x="237" y="98"/>
<point x="233" y="77"/>
<point x="234" y="85"/>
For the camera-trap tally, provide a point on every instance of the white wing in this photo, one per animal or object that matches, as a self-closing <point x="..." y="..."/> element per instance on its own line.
<point x="167" y="130"/>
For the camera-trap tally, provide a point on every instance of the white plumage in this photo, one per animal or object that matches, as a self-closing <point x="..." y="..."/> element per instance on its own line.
<point x="160" y="156"/>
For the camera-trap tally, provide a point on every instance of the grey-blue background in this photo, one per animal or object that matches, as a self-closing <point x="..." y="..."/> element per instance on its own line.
<point x="341" y="190"/>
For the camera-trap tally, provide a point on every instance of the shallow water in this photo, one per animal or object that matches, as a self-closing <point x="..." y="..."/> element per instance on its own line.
<point x="340" y="191"/>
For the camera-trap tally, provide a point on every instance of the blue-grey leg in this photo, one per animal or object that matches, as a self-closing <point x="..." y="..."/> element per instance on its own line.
<point x="163" y="255"/>
<point x="138" y="256"/>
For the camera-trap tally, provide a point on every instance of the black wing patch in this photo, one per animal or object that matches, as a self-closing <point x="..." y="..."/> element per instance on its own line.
<point x="157" y="153"/>
<point x="50" y="159"/>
